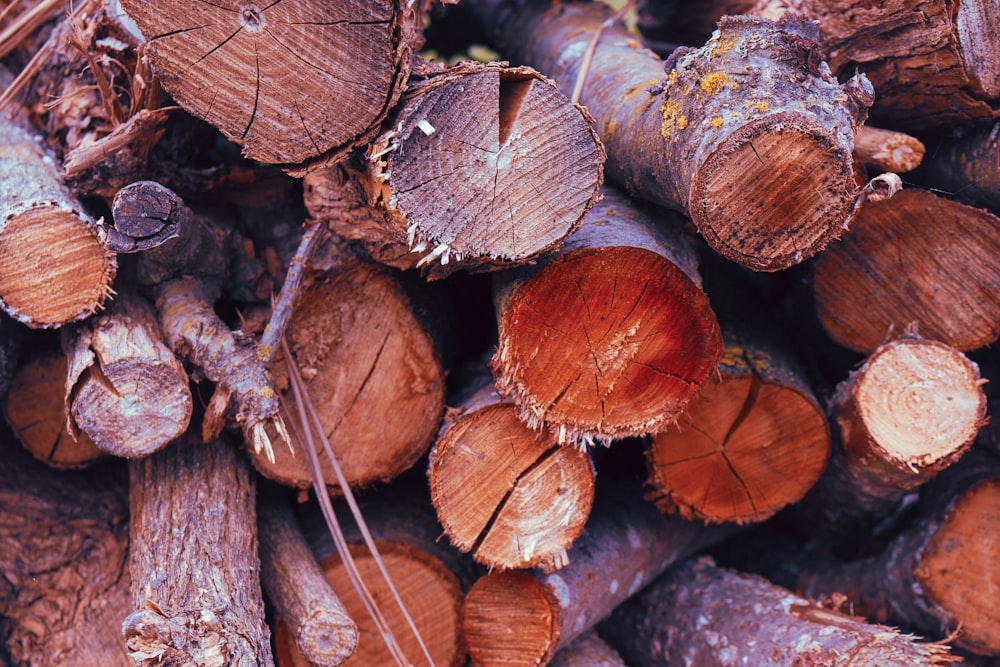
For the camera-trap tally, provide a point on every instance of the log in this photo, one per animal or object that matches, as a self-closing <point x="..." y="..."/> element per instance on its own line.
<point x="611" y="336"/>
<point x="755" y="439"/>
<point x="373" y="373"/>
<point x="888" y="150"/>
<point x="123" y="386"/>
<point x="911" y="410"/>
<point x="587" y="650"/>
<point x="750" y="134"/>
<point x="665" y="24"/>
<point x="523" y="617"/>
<point x="193" y="559"/>
<point x="937" y="576"/>
<point x="510" y="496"/>
<point x="53" y="268"/>
<point x="481" y="166"/>
<point x="933" y="63"/>
<point x="147" y="215"/>
<point x="287" y="81"/>
<point x="35" y="411"/>
<point x="64" y="561"/>
<point x="967" y="166"/>
<point x="430" y="576"/>
<point x="294" y="584"/>
<point x="867" y="287"/>
<point x="703" y="615"/>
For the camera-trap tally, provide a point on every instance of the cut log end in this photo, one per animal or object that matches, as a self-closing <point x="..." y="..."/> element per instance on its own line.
<point x="504" y="600"/>
<point x="773" y="194"/>
<point x="55" y="269"/>
<point x="744" y="449"/>
<point x="632" y="350"/>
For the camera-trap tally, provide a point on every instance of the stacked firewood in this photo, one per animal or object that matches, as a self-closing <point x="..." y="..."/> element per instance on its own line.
<point x="628" y="341"/>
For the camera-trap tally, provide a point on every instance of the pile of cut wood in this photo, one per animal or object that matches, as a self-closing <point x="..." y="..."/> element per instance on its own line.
<point x="508" y="332"/>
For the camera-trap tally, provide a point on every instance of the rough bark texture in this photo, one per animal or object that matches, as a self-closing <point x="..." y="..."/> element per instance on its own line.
<point x="293" y="582"/>
<point x="968" y="166"/>
<point x="611" y="336"/>
<point x="699" y="614"/>
<point x="193" y="559"/>
<point x="932" y="62"/>
<point x="511" y="496"/>
<point x="940" y="574"/>
<point x="750" y="135"/>
<point x="63" y="554"/>
<point x="124" y="387"/>
<point x="481" y="166"/>
<point x="914" y="258"/>
<point x="524" y="617"/>
<point x="587" y="650"/>
<point x="36" y="413"/>
<point x="147" y="215"/>
<point x="288" y="81"/>
<point x="372" y="372"/>
<point x="887" y="150"/>
<point x="755" y="439"/>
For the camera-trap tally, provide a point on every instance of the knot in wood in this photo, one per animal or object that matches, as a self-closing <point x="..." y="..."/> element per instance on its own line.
<point x="251" y="18"/>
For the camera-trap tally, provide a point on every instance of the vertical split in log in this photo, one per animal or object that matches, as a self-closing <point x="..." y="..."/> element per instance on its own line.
<point x="915" y="258"/>
<point x="754" y="440"/>
<point x="193" y="559"/>
<point x="524" y="617"/>
<point x="699" y="614"/>
<point x="124" y="387"/>
<point x="611" y="336"/>
<point x="511" y="496"/>
<point x="751" y="135"/>
<point x="288" y="81"/>
<point x="373" y="373"/>
<point x="888" y="150"/>
<point x="36" y="413"/>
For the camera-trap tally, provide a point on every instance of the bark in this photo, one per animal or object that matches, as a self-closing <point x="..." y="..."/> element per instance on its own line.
<point x="750" y="134"/>
<point x="63" y="554"/>
<point x="124" y="387"/>
<point x="611" y="336"/>
<point x="53" y="267"/>
<point x="482" y="165"/>
<point x="755" y="439"/>
<point x="888" y="150"/>
<point x="867" y="286"/>
<point x="968" y="166"/>
<point x="524" y="617"/>
<point x="372" y="372"/>
<point x="147" y="215"/>
<point x="702" y="615"/>
<point x="11" y="340"/>
<point x="911" y="410"/>
<point x="295" y="585"/>
<point x="933" y="63"/>
<point x="587" y="650"/>
<point x="510" y="496"/>
<point x="287" y="81"/>
<point x="938" y="575"/>
<point x="193" y="561"/>
<point x="35" y="411"/>
<point x="430" y="576"/>
<point x="665" y="24"/>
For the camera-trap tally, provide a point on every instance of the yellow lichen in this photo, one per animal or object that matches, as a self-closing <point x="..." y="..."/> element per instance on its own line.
<point x="716" y="82"/>
<point x="762" y="106"/>
<point x="672" y="77"/>
<point x="722" y="46"/>
<point x="717" y="122"/>
<point x="670" y="110"/>
<point x="682" y="122"/>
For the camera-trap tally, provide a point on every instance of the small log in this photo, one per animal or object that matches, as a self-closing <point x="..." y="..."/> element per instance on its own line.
<point x="430" y="576"/>
<point x="148" y="214"/>
<point x="699" y="614"/>
<point x="65" y="584"/>
<point x="939" y="575"/>
<point x="373" y="373"/>
<point x="287" y="81"/>
<point x="967" y="167"/>
<point x="35" y="410"/>
<point x="750" y="135"/>
<point x="755" y="439"/>
<point x="915" y="258"/>
<point x="510" y="496"/>
<point x="611" y="336"/>
<point x="524" y="617"/>
<point x="888" y="150"/>
<point x="193" y="559"/>
<point x="53" y="267"/>
<point x="483" y="165"/>
<point x="124" y="387"/>
<point x="911" y="410"/>
<point x="293" y="582"/>
<point x="587" y="650"/>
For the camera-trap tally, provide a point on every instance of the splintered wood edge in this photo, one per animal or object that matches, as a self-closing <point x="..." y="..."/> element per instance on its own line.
<point x="55" y="270"/>
<point x="921" y="402"/>
<point x="510" y="618"/>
